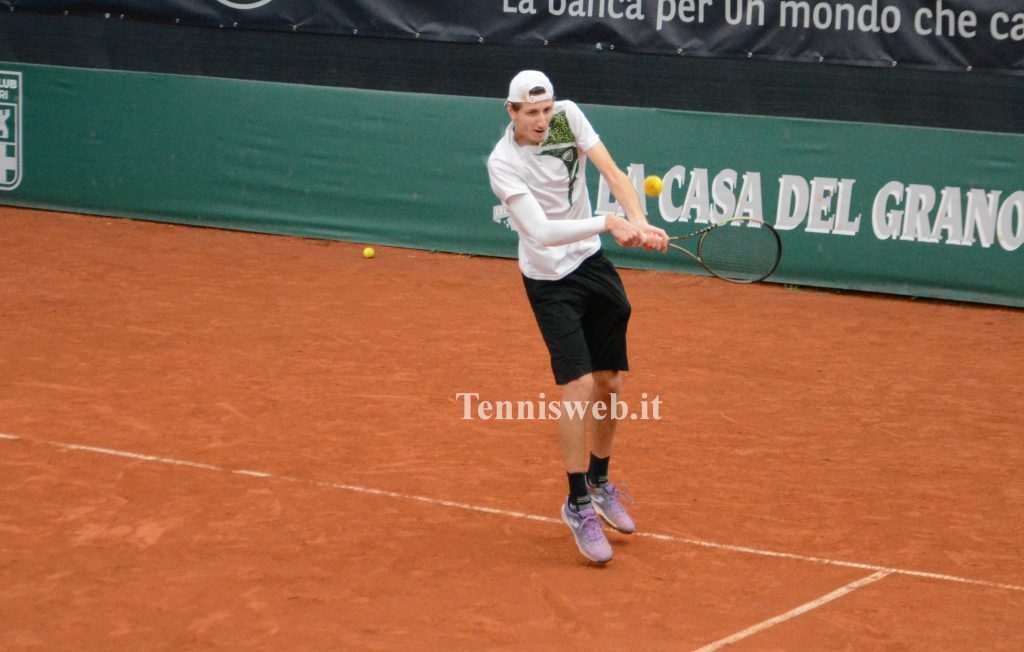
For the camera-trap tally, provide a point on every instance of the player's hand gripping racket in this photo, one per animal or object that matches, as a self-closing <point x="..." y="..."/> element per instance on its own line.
<point x="740" y="250"/>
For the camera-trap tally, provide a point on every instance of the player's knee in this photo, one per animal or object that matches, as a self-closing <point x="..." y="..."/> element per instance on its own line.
<point x="580" y="388"/>
<point x="607" y="383"/>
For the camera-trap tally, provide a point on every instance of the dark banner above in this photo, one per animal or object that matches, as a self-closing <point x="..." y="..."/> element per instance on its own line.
<point x="940" y="34"/>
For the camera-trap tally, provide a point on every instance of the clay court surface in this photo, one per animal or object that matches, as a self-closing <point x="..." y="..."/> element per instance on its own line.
<point x="221" y="440"/>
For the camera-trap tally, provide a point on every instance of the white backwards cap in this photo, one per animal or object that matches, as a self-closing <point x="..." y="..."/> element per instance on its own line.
<point x="521" y="85"/>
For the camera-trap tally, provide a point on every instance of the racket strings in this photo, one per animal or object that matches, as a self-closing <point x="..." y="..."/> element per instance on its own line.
<point x="740" y="252"/>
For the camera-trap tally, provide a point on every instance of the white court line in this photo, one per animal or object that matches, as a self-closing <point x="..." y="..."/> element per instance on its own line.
<point x="255" y="474"/>
<point x="530" y="517"/>
<point x="134" y="456"/>
<point x="793" y="613"/>
<point x="833" y="562"/>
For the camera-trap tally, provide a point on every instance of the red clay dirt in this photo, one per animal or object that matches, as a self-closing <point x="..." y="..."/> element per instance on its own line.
<point x="222" y="440"/>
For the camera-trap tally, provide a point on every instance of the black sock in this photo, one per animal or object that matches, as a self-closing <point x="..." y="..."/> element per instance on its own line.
<point x="597" y="474"/>
<point x="579" y="497"/>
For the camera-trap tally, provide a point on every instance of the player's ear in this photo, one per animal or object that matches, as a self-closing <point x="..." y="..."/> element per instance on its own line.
<point x="511" y="108"/>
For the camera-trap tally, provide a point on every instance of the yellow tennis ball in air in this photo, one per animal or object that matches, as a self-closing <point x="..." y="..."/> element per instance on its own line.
<point x="369" y="252"/>
<point x="653" y="186"/>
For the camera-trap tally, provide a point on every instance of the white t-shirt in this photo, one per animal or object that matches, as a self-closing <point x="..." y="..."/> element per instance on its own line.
<point x="554" y="174"/>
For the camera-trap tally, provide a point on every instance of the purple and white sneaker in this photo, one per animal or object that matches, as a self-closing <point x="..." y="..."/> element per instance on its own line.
<point x="607" y="501"/>
<point x="589" y="535"/>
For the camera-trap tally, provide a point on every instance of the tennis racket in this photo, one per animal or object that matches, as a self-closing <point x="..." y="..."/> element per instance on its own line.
<point x="740" y="250"/>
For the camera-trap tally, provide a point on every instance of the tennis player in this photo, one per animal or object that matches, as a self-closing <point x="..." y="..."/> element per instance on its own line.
<point x="538" y="171"/>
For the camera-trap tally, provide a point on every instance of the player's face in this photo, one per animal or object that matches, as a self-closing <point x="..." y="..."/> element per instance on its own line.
<point x="531" y="121"/>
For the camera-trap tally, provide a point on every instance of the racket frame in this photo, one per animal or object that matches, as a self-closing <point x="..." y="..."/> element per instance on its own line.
<point x="702" y="233"/>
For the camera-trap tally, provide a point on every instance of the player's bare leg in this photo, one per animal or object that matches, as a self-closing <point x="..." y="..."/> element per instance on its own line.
<point x="605" y="496"/>
<point x="602" y="431"/>
<point x="572" y="431"/>
<point x="578" y="512"/>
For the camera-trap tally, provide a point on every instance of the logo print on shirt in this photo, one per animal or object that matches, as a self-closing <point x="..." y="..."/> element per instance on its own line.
<point x="561" y="144"/>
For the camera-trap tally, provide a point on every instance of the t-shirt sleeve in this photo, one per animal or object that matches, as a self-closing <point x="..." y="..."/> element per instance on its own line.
<point x="504" y="181"/>
<point x="581" y="128"/>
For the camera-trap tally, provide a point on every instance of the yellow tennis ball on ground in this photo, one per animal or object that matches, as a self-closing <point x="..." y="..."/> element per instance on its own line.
<point x="653" y="186"/>
<point x="369" y="252"/>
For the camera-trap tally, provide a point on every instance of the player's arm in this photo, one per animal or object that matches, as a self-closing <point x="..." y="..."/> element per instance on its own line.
<point x="625" y="194"/>
<point x="529" y="219"/>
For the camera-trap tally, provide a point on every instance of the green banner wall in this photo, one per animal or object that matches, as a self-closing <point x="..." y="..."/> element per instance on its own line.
<point x="922" y="212"/>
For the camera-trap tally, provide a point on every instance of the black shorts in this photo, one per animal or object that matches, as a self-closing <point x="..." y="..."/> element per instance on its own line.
<point x="583" y="319"/>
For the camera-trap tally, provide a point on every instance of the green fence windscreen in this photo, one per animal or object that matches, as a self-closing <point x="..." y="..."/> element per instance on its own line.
<point x="913" y="211"/>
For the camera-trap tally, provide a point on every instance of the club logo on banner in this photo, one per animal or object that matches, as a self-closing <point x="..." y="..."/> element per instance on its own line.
<point x="10" y="129"/>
